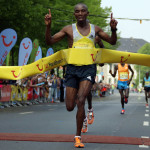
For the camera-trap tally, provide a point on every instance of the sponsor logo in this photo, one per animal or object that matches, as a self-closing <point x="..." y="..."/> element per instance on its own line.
<point x="16" y="76"/>
<point x="94" y="59"/>
<point x="123" y="60"/>
<point x="7" y="45"/>
<point x="89" y="77"/>
<point x="38" y="66"/>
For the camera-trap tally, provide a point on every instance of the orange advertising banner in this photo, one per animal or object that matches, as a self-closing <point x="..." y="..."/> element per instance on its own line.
<point x="5" y="93"/>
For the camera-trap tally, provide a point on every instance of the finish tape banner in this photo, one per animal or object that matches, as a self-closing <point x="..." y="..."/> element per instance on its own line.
<point x="73" y="56"/>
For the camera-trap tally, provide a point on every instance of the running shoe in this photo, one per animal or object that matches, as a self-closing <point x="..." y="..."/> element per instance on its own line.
<point x="146" y="104"/>
<point x="90" y="116"/>
<point x="125" y="100"/>
<point x="123" y="111"/>
<point x="77" y="142"/>
<point x="84" y="127"/>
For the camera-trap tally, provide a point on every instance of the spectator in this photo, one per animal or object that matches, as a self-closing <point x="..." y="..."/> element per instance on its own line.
<point x="112" y="88"/>
<point x="49" y="81"/>
<point x="58" y="88"/>
<point x="54" y="88"/>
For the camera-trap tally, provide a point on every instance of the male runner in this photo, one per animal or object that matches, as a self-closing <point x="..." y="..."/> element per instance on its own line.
<point x="90" y="114"/>
<point x="123" y="81"/>
<point x="146" y="84"/>
<point x="79" y="79"/>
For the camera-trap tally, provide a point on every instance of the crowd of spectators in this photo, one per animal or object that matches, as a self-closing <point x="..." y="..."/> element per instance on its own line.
<point x="103" y="89"/>
<point x="47" y="86"/>
<point x="51" y="87"/>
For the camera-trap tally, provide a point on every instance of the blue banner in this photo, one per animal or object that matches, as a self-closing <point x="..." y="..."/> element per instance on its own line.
<point x="50" y="51"/>
<point x="8" y="38"/>
<point x="24" y="51"/>
<point x="38" y="54"/>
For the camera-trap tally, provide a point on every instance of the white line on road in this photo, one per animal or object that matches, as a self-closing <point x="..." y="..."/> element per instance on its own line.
<point x="50" y="109"/>
<point x="53" y="105"/>
<point x="48" y="105"/>
<point x="24" y="113"/>
<point x="147" y="106"/>
<point x="146" y="115"/>
<point x="143" y="146"/>
<point x="146" y="123"/>
<point x="146" y="137"/>
<point x="147" y="110"/>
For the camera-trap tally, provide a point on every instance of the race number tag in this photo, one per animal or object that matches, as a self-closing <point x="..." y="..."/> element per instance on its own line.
<point x="123" y="75"/>
<point x="147" y="83"/>
<point x="83" y="43"/>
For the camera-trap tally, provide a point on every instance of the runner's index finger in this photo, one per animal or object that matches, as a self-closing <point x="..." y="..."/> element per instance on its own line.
<point x="49" y="11"/>
<point x="111" y="16"/>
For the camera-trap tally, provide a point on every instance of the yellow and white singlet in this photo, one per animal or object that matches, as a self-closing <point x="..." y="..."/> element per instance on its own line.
<point x="80" y="41"/>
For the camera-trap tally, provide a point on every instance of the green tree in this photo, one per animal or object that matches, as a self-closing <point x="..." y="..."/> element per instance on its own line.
<point x="64" y="15"/>
<point x="145" y="49"/>
<point x="27" y="19"/>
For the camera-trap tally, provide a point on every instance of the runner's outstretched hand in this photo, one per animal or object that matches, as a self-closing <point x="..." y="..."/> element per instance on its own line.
<point x="110" y="71"/>
<point x="113" y="23"/>
<point x="48" y="18"/>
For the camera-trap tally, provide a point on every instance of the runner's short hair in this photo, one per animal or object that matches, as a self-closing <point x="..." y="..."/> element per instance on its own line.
<point x="82" y="5"/>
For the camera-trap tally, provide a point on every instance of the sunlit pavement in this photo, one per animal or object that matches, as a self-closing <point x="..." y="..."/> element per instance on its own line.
<point x="50" y="126"/>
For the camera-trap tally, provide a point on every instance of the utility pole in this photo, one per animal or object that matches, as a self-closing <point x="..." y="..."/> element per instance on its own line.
<point x="139" y="74"/>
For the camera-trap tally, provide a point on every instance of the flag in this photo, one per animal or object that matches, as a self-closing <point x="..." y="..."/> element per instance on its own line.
<point x="24" y="51"/>
<point x="34" y="51"/>
<point x="38" y="54"/>
<point x="8" y="38"/>
<point x="50" y="51"/>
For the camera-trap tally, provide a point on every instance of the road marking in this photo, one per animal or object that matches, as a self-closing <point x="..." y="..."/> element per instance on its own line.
<point x="136" y="102"/>
<point x="50" y="109"/>
<point x="146" y="115"/>
<point x="69" y="138"/>
<point x="146" y="137"/>
<point x="54" y="105"/>
<point x="143" y="146"/>
<point x="147" y="106"/>
<point x="51" y="105"/>
<point x="24" y="113"/>
<point x="146" y="123"/>
<point x="147" y="110"/>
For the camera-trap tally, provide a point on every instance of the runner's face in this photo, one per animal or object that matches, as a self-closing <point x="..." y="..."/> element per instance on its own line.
<point x="80" y="13"/>
<point x="147" y="74"/>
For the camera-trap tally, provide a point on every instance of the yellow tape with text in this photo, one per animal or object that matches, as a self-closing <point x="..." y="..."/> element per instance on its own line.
<point x="75" y="56"/>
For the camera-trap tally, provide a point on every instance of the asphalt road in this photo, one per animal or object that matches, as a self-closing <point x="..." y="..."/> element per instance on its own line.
<point x="54" y="119"/>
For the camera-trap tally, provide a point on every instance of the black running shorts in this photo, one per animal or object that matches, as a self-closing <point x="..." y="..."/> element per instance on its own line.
<point x="147" y="89"/>
<point x="76" y="74"/>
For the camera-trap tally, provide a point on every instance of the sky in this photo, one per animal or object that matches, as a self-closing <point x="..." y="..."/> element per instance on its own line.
<point x="134" y="9"/>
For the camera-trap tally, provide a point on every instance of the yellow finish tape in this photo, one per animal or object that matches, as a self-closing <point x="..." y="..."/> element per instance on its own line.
<point x="75" y="56"/>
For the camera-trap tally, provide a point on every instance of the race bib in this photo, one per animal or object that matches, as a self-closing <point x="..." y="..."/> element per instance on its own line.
<point x="147" y="83"/>
<point x="123" y="75"/>
<point x="83" y="43"/>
